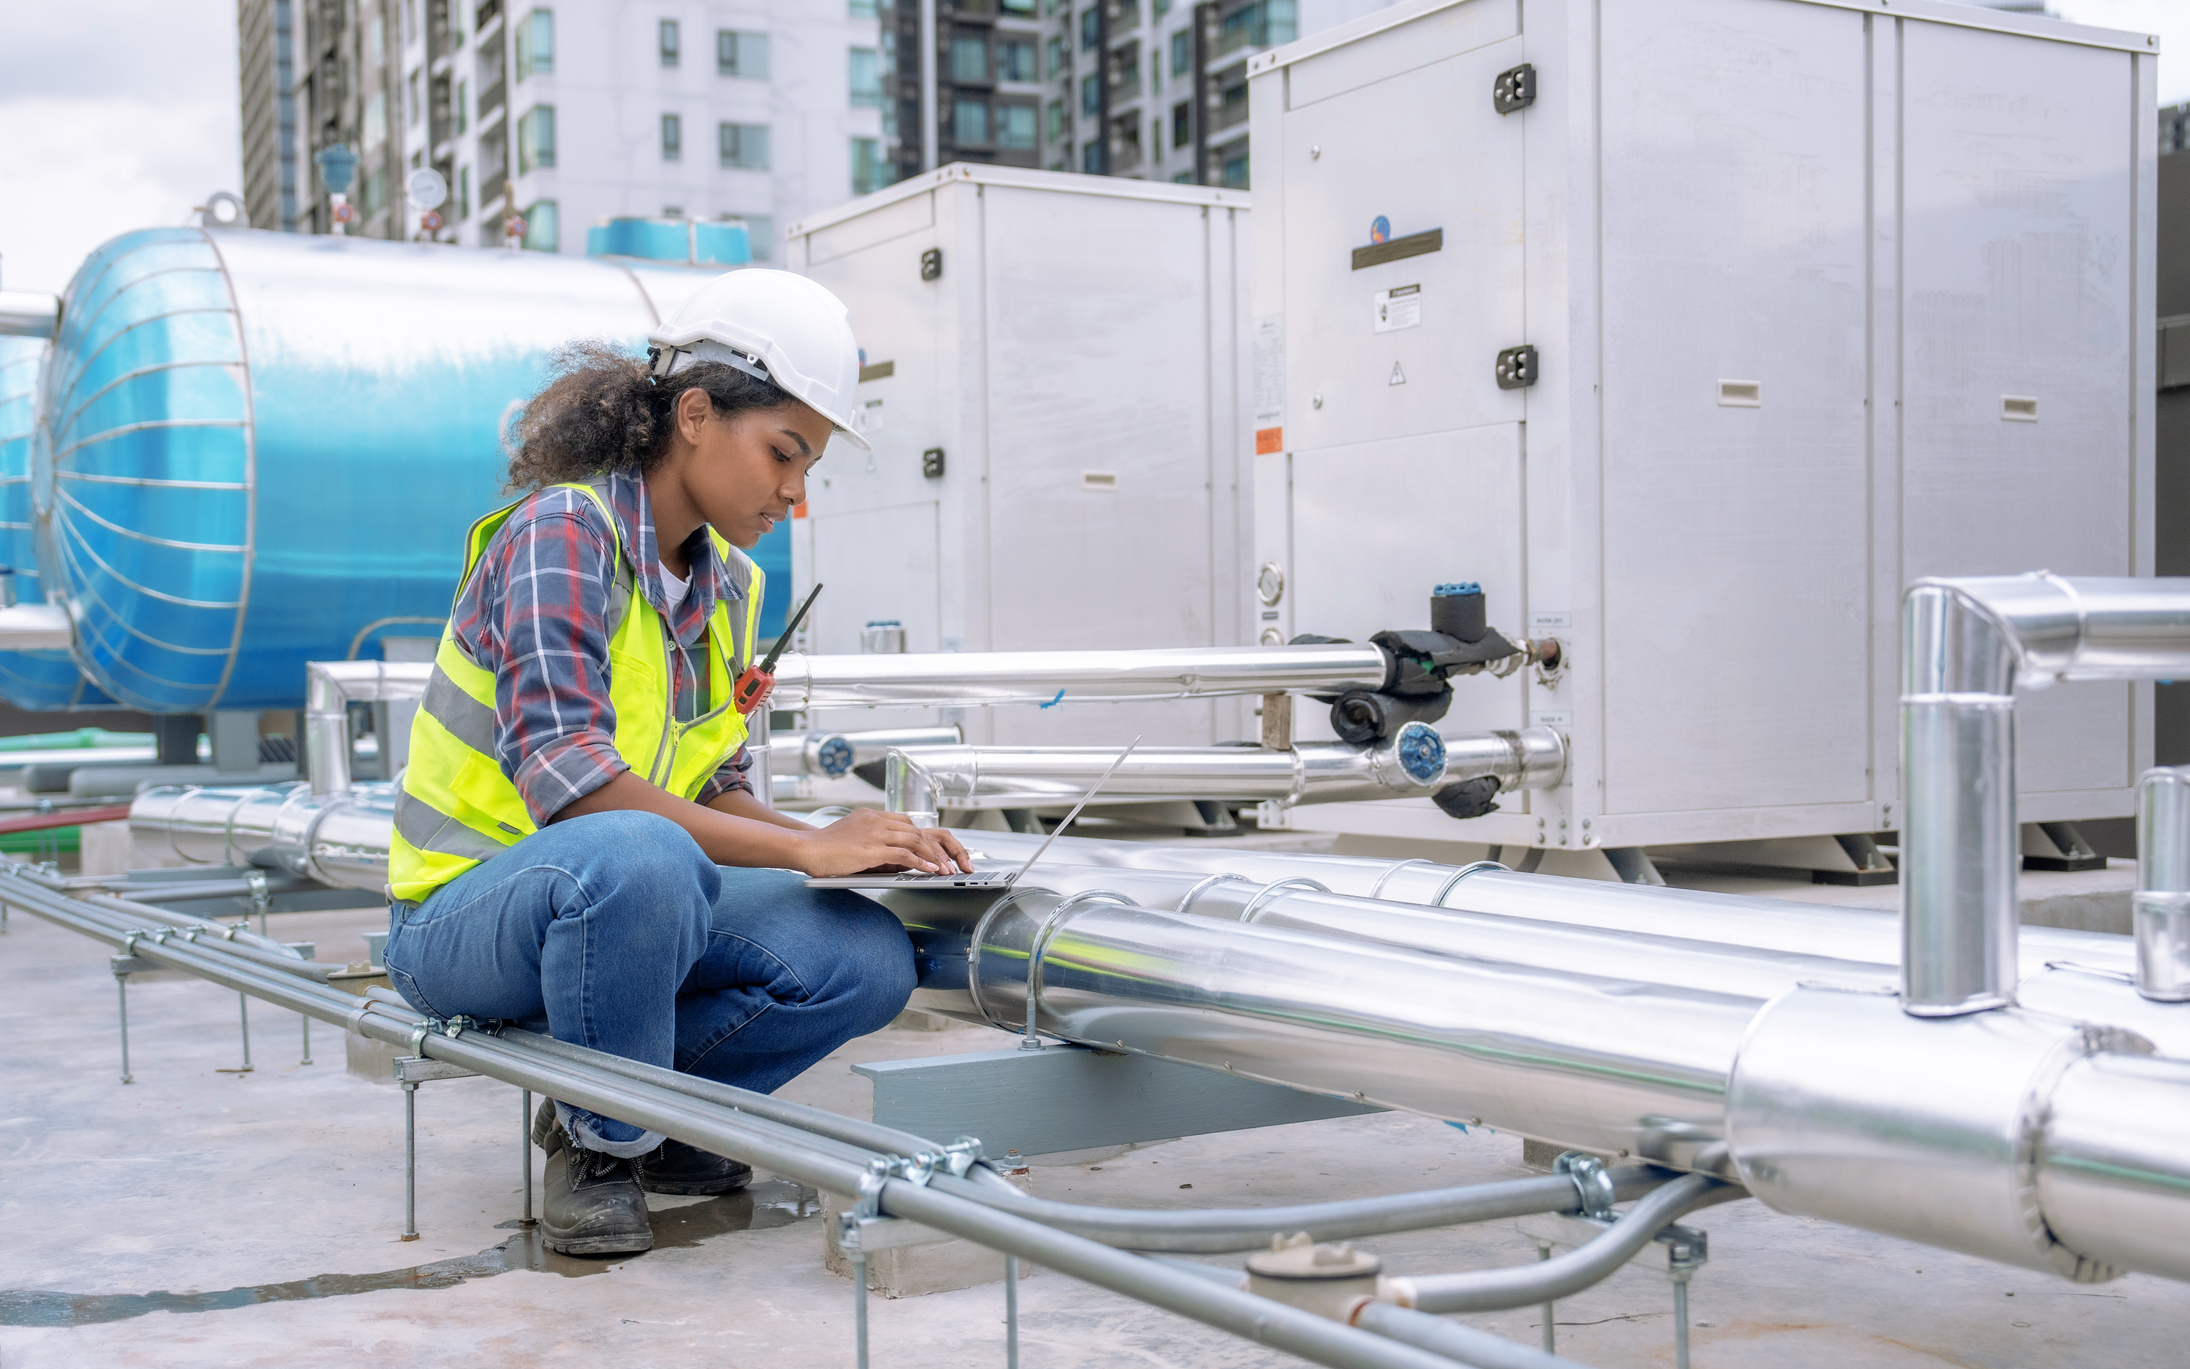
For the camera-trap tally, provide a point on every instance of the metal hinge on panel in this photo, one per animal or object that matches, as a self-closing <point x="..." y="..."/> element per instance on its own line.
<point x="1517" y="368"/>
<point x="1515" y="89"/>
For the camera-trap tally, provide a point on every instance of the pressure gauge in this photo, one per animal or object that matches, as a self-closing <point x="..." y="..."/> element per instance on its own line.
<point x="1270" y="583"/>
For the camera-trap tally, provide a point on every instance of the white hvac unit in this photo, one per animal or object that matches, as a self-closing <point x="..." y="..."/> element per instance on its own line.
<point x="1056" y="392"/>
<point x="1694" y="330"/>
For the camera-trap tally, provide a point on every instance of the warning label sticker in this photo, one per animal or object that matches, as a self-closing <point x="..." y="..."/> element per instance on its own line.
<point x="1398" y="308"/>
<point x="1269" y="370"/>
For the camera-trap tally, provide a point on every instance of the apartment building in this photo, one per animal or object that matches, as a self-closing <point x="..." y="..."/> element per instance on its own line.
<point x="560" y="115"/>
<point x="1153" y="89"/>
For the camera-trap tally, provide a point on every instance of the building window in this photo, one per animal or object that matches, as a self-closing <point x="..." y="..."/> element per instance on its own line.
<point x="1060" y="60"/>
<point x="490" y="59"/>
<point x="1182" y="123"/>
<point x="760" y="231"/>
<point x="742" y="147"/>
<point x="1091" y="29"/>
<point x="1025" y="7"/>
<point x="1265" y="23"/>
<point x="669" y="42"/>
<point x="741" y="54"/>
<point x="866" y="79"/>
<point x="415" y="102"/>
<point x="672" y="137"/>
<point x="863" y="9"/>
<point x="1015" y="60"/>
<point x="463" y="193"/>
<point x="1235" y="171"/>
<point x="536" y="139"/>
<point x="536" y="44"/>
<point x="1056" y="120"/>
<point x="1091" y="95"/>
<point x="543" y="229"/>
<point x="375" y="131"/>
<point x="1125" y="72"/>
<point x="1182" y="52"/>
<point x="970" y="122"/>
<point x="869" y="172"/>
<point x="1015" y="127"/>
<point x="969" y="57"/>
<point x="1091" y="158"/>
<point x="463" y="106"/>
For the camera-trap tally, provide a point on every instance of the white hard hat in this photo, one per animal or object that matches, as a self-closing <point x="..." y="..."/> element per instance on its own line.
<point x="778" y="326"/>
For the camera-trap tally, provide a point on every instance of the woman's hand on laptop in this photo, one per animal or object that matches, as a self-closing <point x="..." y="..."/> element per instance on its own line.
<point x="873" y="840"/>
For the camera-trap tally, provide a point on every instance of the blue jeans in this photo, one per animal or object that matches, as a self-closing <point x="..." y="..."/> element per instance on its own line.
<point x="615" y="932"/>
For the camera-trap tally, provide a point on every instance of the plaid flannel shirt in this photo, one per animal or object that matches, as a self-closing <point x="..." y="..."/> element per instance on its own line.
<point x="535" y="612"/>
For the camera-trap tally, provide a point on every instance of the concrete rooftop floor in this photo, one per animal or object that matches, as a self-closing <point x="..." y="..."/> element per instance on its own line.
<point x="201" y="1218"/>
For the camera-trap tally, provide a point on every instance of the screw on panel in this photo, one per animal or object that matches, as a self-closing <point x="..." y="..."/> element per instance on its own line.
<point x="1514" y="89"/>
<point x="1517" y="368"/>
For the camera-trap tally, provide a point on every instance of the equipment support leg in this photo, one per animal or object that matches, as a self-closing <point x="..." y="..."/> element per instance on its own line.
<point x="410" y="1161"/>
<point x="121" y="990"/>
<point x="524" y="1148"/>
<point x="1551" y="1335"/>
<point x="859" y="1305"/>
<point x="306" y="1019"/>
<point x="1011" y="1312"/>
<point x="243" y="1009"/>
<point x="1680" y="1320"/>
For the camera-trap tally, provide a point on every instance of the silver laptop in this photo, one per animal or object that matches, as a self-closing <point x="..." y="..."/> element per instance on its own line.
<point x="979" y="879"/>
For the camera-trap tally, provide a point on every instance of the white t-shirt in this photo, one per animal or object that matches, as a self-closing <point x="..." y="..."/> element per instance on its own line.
<point x="673" y="588"/>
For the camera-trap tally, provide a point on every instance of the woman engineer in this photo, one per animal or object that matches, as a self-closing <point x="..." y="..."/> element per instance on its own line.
<point x="577" y="848"/>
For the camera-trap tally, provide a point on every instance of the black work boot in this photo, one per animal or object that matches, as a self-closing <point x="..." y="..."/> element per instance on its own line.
<point x="674" y="1167"/>
<point x="671" y="1167"/>
<point x="594" y="1206"/>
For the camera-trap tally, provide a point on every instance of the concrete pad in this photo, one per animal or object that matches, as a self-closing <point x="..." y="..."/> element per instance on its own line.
<point x="2081" y="900"/>
<point x="204" y="1219"/>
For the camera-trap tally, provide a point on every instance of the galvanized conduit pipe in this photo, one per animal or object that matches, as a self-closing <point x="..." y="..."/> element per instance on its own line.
<point x="1966" y="644"/>
<point x="1254" y="1318"/>
<point x="1191" y="1230"/>
<point x="831" y="753"/>
<point x="1413" y="762"/>
<point x="1495" y="1290"/>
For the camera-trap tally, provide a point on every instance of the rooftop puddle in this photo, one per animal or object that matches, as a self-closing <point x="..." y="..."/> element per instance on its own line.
<point x="767" y="1204"/>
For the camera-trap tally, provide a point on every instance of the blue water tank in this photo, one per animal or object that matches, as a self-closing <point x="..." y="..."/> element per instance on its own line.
<point x="258" y="449"/>
<point x="687" y="240"/>
<point x="38" y="680"/>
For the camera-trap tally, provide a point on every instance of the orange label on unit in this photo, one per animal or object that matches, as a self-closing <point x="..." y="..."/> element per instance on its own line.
<point x="1268" y="440"/>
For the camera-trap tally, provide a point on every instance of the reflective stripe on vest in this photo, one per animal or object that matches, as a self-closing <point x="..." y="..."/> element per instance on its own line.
<point x="457" y="808"/>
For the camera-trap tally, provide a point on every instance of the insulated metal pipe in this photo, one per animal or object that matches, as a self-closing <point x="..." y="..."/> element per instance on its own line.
<point x="1606" y="1064"/>
<point x="330" y="688"/>
<point x="1966" y="644"/>
<point x="947" y="679"/>
<point x="1414" y="761"/>
<point x="833" y="754"/>
<point x="2160" y="908"/>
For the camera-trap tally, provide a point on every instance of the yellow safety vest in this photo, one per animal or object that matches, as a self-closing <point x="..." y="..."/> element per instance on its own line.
<point x="457" y="808"/>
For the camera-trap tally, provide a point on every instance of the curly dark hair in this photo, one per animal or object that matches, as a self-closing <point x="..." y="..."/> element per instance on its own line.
<point x="600" y="411"/>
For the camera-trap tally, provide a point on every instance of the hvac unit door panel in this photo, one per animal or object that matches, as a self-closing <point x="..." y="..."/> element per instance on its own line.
<point x="1736" y="520"/>
<point x="1099" y="434"/>
<point x="2019" y="257"/>
<point x="1377" y="526"/>
<point x="899" y="408"/>
<point x="1406" y="346"/>
<point x="876" y="564"/>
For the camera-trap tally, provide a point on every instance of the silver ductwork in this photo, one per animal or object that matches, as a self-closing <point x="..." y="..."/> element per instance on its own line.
<point x="1966" y="645"/>
<point x="1414" y="761"/>
<point x="2160" y="908"/>
<point x="835" y="754"/>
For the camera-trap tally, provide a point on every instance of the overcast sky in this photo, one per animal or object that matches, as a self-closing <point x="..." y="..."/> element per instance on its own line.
<point x="121" y="114"/>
